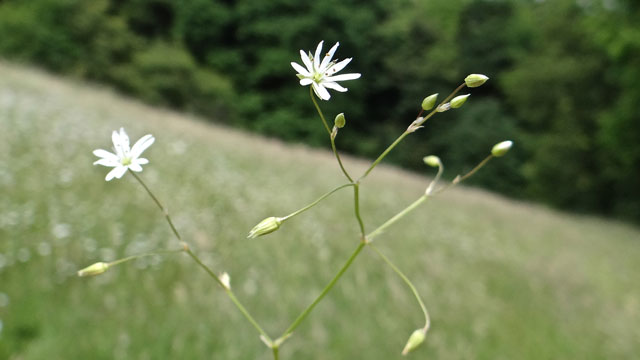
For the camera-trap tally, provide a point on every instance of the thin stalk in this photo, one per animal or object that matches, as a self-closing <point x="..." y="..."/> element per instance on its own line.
<point x="427" y="319"/>
<point x="297" y="212"/>
<point x="324" y="292"/>
<point x="162" y="208"/>
<point x="133" y="257"/>
<point x="356" y="207"/>
<point x="396" y="217"/>
<point x="333" y="142"/>
<point x="275" y="352"/>
<point x="458" y="179"/>
<point x="404" y="134"/>
<point x="210" y="272"/>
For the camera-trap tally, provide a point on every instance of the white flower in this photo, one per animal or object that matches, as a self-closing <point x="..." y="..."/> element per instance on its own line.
<point x="124" y="157"/>
<point x="321" y="74"/>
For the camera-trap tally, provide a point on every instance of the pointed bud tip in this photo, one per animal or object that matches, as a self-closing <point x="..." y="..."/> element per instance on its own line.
<point x="429" y="102"/>
<point x="501" y="148"/>
<point x="432" y="161"/>
<point x="415" y="340"/>
<point x="94" y="269"/>
<point x="475" y="80"/>
<point x="458" y="101"/>
<point x="340" y="121"/>
<point x="265" y="227"/>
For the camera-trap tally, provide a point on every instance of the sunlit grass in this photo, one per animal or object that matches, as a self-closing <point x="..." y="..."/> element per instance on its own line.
<point x="502" y="279"/>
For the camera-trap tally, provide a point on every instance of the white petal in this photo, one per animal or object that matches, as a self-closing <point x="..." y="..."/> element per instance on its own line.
<point x="305" y="81"/>
<point x="302" y="71"/>
<point x="124" y="140"/>
<point x="142" y="161"/>
<point x="134" y="166"/>
<point x="337" y="67"/>
<point x="115" y="137"/>
<point x="334" y="86"/>
<point x="141" y="145"/>
<point x="343" y="77"/>
<point x="306" y="61"/>
<point x="321" y="91"/>
<point x="107" y="162"/>
<point x="328" y="56"/>
<point x="105" y="154"/>
<point x="116" y="172"/>
<point x="316" y="57"/>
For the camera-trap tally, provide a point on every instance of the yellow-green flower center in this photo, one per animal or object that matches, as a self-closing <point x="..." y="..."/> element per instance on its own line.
<point x="126" y="161"/>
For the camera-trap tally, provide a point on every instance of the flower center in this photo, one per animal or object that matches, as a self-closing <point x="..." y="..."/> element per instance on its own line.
<point x="317" y="77"/>
<point x="126" y="161"/>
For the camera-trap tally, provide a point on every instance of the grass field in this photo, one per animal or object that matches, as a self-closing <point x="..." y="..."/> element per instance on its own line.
<point x="502" y="279"/>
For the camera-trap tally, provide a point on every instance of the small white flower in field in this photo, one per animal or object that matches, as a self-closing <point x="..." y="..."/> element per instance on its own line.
<point x="124" y="157"/>
<point x="320" y="71"/>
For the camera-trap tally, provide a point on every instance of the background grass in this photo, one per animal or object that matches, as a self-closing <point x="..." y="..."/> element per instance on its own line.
<point x="502" y="279"/>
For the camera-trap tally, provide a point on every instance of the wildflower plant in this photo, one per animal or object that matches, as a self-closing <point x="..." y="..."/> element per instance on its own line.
<point x="320" y="72"/>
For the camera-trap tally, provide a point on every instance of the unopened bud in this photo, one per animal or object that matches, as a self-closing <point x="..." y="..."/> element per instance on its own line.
<point x="457" y="101"/>
<point x="95" y="269"/>
<point x="444" y="107"/>
<point x="429" y="102"/>
<point x="432" y="161"/>
<point x="500" y="149"/>
<point x="415" y="340"/>
<point x="340" y="121"/>
<point x="475" y="80"/>
<point x="225" y="280"/>
<point x="265" y="227"/>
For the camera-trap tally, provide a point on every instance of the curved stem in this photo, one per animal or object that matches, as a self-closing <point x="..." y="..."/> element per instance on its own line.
<point x="324" y="292"/>
<point x="297" y="212"/>
<point x="210" y="272"/>
<point x="133" y="257"/>
<point x="333" y="142"/>
<point x="396" y="217"/>
<point x="427" y="319"/>
<point x="458" y="179"/>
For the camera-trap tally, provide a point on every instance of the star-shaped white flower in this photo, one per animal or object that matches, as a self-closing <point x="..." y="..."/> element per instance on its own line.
<point x="321" y="74"/>
<point x="124" y="157"/>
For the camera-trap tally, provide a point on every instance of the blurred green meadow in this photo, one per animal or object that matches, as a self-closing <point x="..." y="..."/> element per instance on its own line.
<point x="502" y="279"/>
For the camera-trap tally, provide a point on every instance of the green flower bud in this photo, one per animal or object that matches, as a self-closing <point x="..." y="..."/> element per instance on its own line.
<point x="95" y="269"/>
<point x="500" y="149"/>
<point x="415" y="340"/>
<point x="475" y="80"/>
<point x="429" y="102"/>
<point x="265" y="227"/>
<point x="457" y="101"/>
<point x="340" y="121"/>
<point x="432" y="161"/>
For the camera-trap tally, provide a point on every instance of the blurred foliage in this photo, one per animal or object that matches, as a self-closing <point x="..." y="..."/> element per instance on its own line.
<point x="563" y="77"/>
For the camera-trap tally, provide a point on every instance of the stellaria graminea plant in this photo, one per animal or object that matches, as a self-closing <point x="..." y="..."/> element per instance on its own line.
<point x="321" y="75"/>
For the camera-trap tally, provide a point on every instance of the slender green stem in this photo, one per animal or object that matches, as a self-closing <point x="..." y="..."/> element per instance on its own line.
<point x="275" y="352"/>
<point x="297" y="212"/>
<point x="407" y="132"/>
<point x="458" y="179"/>
<point x="396" y="217"/>
<point x="408" y="282"/>
<point x="356" y="207"/>
<point x="133" y="257"/>
<point x="210" y="272"/>
<point x="324" y="292"/>
<point x="162" y="208"/>
<point x="384" y="153"/>
<point x="333" y="142"/>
